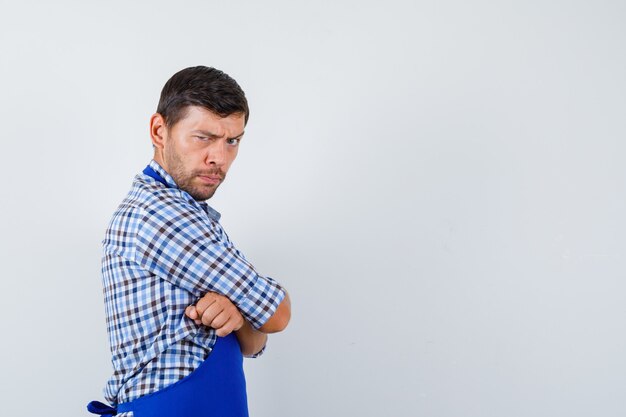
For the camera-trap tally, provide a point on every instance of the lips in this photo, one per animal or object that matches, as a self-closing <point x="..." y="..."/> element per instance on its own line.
<point x="210" y="179"/>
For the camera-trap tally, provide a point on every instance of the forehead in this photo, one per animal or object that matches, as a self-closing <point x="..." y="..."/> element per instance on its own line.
<point x="199" y="118"/>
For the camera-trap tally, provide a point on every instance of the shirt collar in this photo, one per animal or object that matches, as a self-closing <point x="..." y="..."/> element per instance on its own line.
<point x="210" y="211"/>
<point x="163" y="173"/>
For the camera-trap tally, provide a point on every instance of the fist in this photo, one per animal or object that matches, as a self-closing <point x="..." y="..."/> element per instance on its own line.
<point x="216" y="311"/>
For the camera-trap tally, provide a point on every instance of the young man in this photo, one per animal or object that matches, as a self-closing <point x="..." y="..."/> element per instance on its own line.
<point x="182" y="303"/>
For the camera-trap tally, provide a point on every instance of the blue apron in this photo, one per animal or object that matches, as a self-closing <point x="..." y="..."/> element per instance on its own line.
<point x="217" y="388"/>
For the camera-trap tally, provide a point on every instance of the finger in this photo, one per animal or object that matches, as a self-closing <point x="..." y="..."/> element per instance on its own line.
<point x="234" y="316"/>
<point x="191" y="313"/>
<point x="210" y="313"/>
<point x="237" y="321"/>
<point x="220" y="320"/>
<point x="204" y="302"/>
<point x="225" y="330"/>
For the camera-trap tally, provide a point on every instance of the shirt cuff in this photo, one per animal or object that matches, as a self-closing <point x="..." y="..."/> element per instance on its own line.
<point x="259" y="353"/>
<point x="261" y="302"/>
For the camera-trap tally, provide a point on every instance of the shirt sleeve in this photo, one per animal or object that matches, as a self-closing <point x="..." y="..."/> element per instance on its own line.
<point x="180" y="245"/>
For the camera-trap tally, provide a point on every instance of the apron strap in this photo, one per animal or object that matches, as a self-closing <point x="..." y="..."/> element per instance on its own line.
<point x="152" y="173"/>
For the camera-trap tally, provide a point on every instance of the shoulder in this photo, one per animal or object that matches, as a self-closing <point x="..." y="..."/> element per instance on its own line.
<point x="149" y="201"/>
<point x="168" y="210"/>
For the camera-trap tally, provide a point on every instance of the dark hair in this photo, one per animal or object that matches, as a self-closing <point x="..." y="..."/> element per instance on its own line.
<point x="201" y="86"/>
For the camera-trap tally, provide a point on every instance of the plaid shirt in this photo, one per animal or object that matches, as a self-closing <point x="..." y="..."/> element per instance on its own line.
<point x="162" y="251"/>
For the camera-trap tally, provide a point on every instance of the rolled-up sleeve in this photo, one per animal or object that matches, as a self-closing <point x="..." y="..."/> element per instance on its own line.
<point x="179" y="244"/>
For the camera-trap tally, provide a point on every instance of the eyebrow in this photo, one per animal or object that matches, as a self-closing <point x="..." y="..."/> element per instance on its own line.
<point x="213" y="135"/>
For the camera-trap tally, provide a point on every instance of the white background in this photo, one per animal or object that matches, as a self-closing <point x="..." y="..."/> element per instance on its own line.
<point x="439" y="184"/>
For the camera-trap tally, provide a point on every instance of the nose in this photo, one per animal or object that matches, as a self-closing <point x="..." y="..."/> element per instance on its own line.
<point x="216" y="154"/>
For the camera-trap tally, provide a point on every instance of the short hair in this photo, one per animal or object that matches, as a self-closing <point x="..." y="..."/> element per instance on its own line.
<point x="201" y="86"/>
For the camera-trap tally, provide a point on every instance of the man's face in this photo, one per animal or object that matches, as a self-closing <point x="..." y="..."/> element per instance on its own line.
<point x="197" y="151"/>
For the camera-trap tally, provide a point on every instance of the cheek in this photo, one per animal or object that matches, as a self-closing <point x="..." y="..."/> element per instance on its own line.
<point x="186" y="155"/>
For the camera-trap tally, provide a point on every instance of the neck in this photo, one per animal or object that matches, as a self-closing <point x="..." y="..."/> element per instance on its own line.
<point x="158" y="157"/>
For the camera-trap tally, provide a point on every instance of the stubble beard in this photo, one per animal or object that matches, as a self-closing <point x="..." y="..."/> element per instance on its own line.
<point x="185" y="180"/>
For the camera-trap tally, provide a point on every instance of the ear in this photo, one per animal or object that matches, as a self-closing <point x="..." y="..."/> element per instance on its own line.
<point x="158" y="130"/>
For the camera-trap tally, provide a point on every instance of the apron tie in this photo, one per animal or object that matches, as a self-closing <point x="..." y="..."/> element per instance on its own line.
<point x="96" y="407"/>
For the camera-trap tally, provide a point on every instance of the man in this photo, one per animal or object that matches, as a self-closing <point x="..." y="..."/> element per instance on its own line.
<point x="182" y="303"/>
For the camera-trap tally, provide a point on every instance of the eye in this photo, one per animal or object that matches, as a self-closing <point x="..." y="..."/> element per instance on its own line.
<point x="234" y="142"/>
<point x="201" y="138"/>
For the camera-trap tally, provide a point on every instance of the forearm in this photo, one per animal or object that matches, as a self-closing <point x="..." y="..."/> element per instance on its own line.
<point x="219" y="312"/>
<point x="251" y="340"/>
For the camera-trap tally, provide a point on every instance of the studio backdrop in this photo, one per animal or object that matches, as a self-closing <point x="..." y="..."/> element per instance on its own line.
<point x="439" y="185"/>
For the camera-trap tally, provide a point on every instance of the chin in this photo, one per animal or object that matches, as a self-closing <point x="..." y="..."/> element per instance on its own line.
<point x="201" y="196"/>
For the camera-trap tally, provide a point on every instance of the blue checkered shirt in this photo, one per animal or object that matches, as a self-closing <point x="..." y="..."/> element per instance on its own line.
<point x="162" y="251"/>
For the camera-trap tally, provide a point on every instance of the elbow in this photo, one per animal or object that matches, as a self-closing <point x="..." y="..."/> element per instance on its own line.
<point x="279" y="321"/>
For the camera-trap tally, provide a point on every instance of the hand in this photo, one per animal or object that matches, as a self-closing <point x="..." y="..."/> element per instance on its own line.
<point x="216" y="311"/>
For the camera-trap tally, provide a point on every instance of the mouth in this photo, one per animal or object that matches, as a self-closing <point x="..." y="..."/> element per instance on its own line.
<point x="210" y="179"/>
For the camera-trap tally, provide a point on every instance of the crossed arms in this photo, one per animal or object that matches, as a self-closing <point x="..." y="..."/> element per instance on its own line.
<point x="218" y="312"/>
<point x="177" y="244"/>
